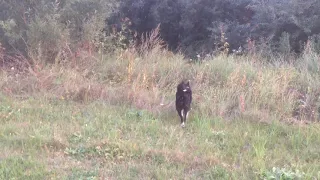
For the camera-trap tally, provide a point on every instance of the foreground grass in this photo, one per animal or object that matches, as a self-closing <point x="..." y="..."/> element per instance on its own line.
<point x="58" y="139"/>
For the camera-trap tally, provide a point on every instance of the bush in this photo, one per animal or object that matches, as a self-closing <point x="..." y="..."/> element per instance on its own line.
<point x="48" y="31"/>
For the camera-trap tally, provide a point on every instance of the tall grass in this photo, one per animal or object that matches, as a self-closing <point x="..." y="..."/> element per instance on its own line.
<point x="100" y="115"/>
<point x="146" y="78"/>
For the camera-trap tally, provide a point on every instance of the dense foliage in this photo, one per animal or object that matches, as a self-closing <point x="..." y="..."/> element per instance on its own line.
<point x="193" y="27"/>
<point x="50" y="28"/>
<point x="197" y="25"/>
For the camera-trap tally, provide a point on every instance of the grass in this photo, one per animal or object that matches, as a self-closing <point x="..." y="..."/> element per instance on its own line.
<point x="41" y="139"/>
<point x="113" y="117"/>
<point x="21" y="168"/>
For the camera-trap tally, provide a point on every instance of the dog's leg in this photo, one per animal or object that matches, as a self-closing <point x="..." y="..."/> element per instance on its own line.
<point x="180" y="112"/>
<point x="185" y="115"/>
<point x="182" y="118"/>
<point x="183" y="125"/>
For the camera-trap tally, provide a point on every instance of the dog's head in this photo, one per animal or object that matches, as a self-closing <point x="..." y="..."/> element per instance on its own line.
<point x="184" y="86"/>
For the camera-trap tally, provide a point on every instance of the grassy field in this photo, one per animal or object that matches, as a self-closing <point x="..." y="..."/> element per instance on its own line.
<point x="112" y="117"/>
<point x="58" y="139"/>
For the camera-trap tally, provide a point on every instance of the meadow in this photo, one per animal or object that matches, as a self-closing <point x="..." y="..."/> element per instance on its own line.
<point x="112" y="116"/>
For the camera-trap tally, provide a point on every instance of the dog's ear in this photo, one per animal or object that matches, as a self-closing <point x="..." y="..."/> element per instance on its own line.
<point x="188" y="82"/>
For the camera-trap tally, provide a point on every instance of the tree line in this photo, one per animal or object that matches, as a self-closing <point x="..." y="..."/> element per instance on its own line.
<point x="188" y="26"/>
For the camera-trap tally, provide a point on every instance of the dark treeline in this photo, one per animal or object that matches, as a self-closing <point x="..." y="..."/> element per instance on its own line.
<point x="190" y="26"/>
<point x="197" y="25"/>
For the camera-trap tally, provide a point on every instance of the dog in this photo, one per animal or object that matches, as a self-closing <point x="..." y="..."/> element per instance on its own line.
<point x="183" y="101"/>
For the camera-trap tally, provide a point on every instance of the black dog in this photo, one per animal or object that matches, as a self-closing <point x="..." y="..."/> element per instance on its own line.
<point x="183" y="101"/>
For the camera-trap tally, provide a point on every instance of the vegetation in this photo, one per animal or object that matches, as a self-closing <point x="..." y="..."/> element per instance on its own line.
<point x="87" y="89"/>
<point x="66" y="140"/>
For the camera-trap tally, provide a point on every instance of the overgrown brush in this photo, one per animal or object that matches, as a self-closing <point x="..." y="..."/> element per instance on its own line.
<point x="146" y="76"/>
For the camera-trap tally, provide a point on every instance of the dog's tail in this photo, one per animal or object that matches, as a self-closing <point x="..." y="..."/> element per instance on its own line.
<point x="167" y="104"/>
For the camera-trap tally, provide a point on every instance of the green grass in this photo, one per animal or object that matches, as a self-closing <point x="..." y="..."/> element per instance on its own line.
<point x="45" y="139"/>
<point x="21" y="168"/>
<point x="112" y="116"/>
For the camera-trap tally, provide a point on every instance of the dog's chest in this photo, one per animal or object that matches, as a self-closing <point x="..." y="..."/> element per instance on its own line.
<point x="184" y="98"/>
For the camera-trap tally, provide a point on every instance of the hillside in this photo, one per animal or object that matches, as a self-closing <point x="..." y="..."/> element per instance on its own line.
<point x="104" y="119"/>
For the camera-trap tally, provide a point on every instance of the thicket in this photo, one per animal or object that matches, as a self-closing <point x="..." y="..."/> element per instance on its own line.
<point x="54" y="28"/>
<point x="49" y="31"/>
<point x="196" y="26"/>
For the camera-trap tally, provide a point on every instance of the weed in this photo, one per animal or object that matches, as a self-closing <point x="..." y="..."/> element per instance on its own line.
<point x="217" y="173"/>
<point x="81" y="174"/>
<point x="21" y="168"/>
<point x="282" y="174"/>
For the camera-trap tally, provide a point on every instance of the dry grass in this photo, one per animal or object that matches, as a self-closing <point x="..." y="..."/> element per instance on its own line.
<point x="145" y="78"/>
<point x="98" y="116"/>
